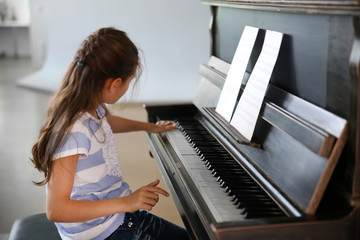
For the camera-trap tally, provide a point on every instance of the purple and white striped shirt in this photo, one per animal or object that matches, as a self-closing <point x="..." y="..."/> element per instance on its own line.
<point x="98" y="175"/>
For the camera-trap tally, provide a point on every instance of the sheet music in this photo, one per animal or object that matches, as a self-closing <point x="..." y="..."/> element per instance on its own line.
<point x="230" y="91"/>
<point x="248" y="108"/>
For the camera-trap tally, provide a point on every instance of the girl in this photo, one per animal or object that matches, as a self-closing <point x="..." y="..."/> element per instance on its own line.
<point x="86" y="195"/>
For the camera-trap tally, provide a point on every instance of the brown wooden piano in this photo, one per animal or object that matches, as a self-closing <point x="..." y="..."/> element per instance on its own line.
<point x="299" y="177"/>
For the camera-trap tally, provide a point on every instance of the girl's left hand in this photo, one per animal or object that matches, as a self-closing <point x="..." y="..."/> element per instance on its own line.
<point x="163" y="126"/>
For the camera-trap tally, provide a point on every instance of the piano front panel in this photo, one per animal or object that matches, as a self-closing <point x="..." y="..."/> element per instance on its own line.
<point x="290" y="173"/>
<point x="318" y="60"/>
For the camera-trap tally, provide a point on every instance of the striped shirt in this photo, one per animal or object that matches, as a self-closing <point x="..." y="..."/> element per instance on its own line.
<point x="98" y="175"/>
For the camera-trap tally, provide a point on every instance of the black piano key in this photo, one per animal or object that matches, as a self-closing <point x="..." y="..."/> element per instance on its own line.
<point x="201" y="141"/>
<point x="190" y="125"/>
<point x="228" y="180"/>
<point x="238" y="180"/>
<point x="263" y="209"/>
<point x="240" y="202"/>
<point x="212" y="166"/>
<point x="213" y="154"/>
<point x="225" y="160"/>
<point x="264" y="205"/>
<point x="261" y="212"/>
<point x="198" y="133"/>
<point x="246" y="194"/>
<point x="225" y="163"/>
<point x="207" y="144"/>
<point x="225" y="169"/>
<point x="255" y="204"/>
<point x="242" y="187"/>
<point x="220" y="159"/>
<point x="229" y="172"/>
<point x="206" y="149"/>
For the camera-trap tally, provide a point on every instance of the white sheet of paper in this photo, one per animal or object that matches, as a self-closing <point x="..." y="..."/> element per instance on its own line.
<point x="231" y="88"/>
<point x="248" y="108"/>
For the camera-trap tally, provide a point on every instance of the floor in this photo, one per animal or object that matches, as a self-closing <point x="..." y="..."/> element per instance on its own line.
<point x="21" y="114"/>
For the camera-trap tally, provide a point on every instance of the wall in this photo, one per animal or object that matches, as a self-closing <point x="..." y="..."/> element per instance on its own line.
<point x="172" y="34"/>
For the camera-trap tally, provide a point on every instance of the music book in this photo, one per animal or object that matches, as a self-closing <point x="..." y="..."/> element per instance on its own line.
<point x="231" y="88"/>
<point x="248" y="108"/>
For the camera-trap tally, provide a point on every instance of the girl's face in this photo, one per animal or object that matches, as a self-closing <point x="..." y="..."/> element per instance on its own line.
<point x="115" y="88"/>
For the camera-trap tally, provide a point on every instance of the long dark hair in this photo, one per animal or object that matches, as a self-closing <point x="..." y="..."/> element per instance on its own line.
<point x="107" y="53"/>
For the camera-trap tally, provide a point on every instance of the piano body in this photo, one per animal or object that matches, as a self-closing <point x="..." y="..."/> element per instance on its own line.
<point x="300" y="176"/>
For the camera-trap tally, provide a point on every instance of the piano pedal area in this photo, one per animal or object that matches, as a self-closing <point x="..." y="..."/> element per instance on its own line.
<point x="248" y="199"/>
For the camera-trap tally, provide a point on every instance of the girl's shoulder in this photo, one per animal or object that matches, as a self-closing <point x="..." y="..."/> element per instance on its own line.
<point x="88" y="124"/>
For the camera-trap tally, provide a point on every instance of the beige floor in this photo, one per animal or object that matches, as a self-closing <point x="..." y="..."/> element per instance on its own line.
<point x="21" y="114"/>
<point x="138" y="167"/>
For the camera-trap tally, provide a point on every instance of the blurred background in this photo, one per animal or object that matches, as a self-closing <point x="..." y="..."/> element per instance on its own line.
<point x="38" y="39"/>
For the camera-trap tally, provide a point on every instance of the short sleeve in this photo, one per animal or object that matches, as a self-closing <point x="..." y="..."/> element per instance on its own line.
<point x="73" y="143"/>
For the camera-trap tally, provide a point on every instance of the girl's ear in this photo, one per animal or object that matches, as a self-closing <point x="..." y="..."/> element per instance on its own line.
<point x="112" y="83"/>
<point x="117" y="82"/>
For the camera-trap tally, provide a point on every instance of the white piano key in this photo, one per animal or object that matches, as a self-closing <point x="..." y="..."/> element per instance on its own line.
<point x="218" y="202"/>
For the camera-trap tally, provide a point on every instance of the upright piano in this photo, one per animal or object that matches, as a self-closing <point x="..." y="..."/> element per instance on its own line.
<point x="299" y="177"/>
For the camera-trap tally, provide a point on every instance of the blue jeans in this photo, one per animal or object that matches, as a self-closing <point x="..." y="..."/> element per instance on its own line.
<point x="142" y="225"/>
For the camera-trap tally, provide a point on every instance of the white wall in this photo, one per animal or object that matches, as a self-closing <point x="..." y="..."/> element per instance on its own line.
<point x="38" y="32"/>
<point x="172" y="34"/>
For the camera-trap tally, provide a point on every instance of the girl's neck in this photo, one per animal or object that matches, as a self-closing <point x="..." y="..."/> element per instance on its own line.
<point x="93" y="109"/>
<point x="93" y="112"/>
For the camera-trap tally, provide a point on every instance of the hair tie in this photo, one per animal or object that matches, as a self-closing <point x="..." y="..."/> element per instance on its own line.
<point x="80" y="63"/>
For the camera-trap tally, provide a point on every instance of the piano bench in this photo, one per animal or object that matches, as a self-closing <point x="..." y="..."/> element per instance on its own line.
<point x="34" y="227"/>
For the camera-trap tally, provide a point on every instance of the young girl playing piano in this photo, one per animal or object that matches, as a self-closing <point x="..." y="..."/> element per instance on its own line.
<point x="87" y="197"/>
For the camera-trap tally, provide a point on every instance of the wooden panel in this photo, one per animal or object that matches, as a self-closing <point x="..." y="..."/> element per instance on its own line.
<point x="317" y="140"/>
<point x="301" y="68"/>
<point x="335" y="7"/>
<point x="296" y="144"/>
<point x="305" y="110"/>
<point x="355" y="110"/>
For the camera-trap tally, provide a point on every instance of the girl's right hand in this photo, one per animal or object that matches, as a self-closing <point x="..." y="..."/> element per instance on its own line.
<point x="145" y="197"/>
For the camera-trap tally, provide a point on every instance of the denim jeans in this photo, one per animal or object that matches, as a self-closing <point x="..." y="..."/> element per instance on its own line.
<point x="142" y="225"/>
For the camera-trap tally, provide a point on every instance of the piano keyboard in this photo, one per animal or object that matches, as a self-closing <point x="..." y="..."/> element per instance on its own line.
<point x="229" y="192"/>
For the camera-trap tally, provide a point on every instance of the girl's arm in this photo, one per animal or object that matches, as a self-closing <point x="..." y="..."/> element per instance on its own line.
<point x="119" y="124"/>
<point x="60" y="208"/>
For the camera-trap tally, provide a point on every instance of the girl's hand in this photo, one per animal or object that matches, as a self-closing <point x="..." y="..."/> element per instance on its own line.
<point x="163" y="126"/>
<point x="145" y="197"/>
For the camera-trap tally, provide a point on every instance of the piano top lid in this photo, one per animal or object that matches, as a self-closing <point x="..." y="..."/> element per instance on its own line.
<point x="332" y="7"/>
<point x="301" y="143"/>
